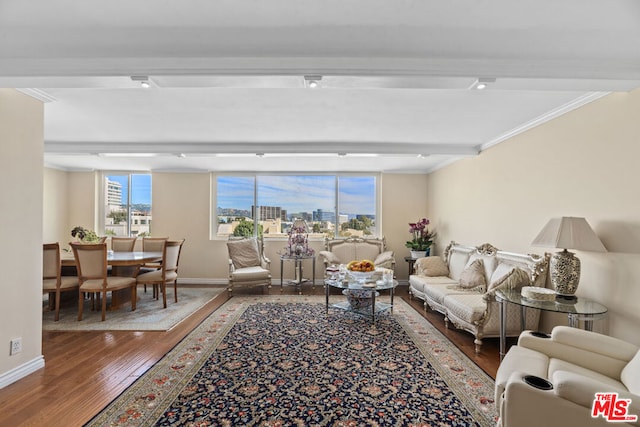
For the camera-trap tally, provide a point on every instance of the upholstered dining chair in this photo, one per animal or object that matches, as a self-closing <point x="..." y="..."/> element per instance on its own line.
<point x="247" y="264"/>
<point x="91" y="260"/>
<point x="123" y="244"/>
<point x="152" y="244"/>
<point x="52" y="280"/>
<point x="168" y="272"/>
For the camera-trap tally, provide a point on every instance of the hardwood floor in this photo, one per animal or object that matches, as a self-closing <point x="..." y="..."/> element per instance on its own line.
<point x="85" y="371"/>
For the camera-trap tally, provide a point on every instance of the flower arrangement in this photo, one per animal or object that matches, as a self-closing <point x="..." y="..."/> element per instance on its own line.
<point x="422" y="237"/>
<point x="298" y="243"/>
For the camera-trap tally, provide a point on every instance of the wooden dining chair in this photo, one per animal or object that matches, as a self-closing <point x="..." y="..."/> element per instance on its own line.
<point x="123" y="244"/>
<point x="53" y="282"/>
<point x="168" y="273"/>
<point x="91" y="261"/>
<point x="152" y="244"/>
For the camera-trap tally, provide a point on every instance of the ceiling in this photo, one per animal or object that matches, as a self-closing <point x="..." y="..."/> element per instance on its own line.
<point x="228" y="89"/>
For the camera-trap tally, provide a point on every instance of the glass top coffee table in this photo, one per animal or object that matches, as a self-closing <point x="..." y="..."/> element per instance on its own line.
<point x="361" y="295"/>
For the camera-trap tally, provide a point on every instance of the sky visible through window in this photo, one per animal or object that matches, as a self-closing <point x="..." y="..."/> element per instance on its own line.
<point x="299" y="193"/>
<point x="141" y="188"/>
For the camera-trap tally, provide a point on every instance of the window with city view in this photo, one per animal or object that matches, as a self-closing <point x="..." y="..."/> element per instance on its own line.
<point x="127" y="204"/>
<point x="331" y="205"/>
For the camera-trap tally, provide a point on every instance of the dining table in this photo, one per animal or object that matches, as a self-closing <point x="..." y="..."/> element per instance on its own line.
<point x="122" y="264"/>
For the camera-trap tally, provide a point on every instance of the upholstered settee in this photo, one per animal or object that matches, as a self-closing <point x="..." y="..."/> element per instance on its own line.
<point x="462" y="286"/>
<point x="341" y="251"/>
<point x="552" y="380"/>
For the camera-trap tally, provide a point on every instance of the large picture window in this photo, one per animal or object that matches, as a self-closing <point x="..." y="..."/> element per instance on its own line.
<point x="127" y="208"/>
<point x="331" y="205"/>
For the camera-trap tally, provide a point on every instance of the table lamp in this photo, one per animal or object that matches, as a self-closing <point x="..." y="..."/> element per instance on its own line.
<point x="567" y="233"/>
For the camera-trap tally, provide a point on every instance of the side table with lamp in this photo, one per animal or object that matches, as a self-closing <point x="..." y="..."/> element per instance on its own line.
<point x="567" y="233"/>
<point x="564" y="267"/>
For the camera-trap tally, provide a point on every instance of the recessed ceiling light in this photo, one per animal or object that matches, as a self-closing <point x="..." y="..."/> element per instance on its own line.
<point x="482" y="83"/>
<point x="145" y="82"/>
<point x="312" y="82"/>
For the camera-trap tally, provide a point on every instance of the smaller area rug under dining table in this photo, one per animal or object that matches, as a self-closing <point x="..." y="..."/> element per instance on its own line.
<point x="148" y="316"/>
<point x="281" y="360"/>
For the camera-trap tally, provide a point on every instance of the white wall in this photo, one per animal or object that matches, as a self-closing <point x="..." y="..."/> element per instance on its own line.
<point x="56" y="207"/>
<point x="182" y="209"/>
<point x="582" y="164"/>
<point x="21" y="158"/>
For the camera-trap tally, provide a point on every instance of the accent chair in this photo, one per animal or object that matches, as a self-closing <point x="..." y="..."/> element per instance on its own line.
<point x="553" y="380"/>
<point x="247" y="264"/>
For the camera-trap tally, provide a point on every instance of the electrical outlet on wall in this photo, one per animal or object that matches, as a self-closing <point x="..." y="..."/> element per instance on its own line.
<point x="16" y="346"/>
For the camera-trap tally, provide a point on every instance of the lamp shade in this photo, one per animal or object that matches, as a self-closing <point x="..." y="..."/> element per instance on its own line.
<point x="569" y="233"/>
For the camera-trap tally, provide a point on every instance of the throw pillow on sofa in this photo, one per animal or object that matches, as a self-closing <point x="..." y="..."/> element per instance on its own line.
<point x="508" y="277"/>
<point x="472" y="277"/>
<point x="432" y="266"/>
<point x="385" y="260"/>
<point x="330" y="257"/>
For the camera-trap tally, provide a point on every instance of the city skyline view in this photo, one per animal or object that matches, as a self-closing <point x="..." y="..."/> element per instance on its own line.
<point x="140" y="188"/>
<point x="299" y="193"/>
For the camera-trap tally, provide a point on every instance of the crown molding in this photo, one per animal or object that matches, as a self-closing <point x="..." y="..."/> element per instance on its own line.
<point x="38" y="94"/>
<point x="550" y="115"/>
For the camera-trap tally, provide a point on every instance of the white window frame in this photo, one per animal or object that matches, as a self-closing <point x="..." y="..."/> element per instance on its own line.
<point x="102" y="201"/>
<point x="214" y="195"/>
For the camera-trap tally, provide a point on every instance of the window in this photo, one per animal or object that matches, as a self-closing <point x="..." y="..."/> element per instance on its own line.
<point x="331" y="205"/>
<point x="127" y="204"/>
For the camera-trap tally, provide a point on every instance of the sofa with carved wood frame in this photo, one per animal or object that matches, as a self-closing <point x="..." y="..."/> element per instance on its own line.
<point x="462" y="284"/>
<point x="342" y="251"/>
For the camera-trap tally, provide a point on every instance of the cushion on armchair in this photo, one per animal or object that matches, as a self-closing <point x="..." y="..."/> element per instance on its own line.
<point x="244" y="253"/>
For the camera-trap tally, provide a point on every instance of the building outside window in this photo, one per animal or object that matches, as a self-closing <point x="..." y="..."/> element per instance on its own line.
<point x="331" y="205"/>
<point x="127" y="209"/>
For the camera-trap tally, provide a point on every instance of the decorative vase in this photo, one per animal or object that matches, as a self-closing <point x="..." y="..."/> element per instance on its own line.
<point x="565" y="273"/>
<point x="420" y="254"/>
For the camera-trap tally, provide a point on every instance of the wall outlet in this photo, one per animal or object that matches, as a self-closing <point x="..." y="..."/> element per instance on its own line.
<point x="16" y="346"/>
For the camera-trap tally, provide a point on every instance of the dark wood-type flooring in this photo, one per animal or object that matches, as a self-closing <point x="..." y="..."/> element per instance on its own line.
<point x="85" y="371"/>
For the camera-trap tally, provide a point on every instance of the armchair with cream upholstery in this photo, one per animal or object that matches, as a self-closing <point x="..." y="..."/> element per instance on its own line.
<point x="247" y="264"/>
<point x="567" y="367"/>
<point x="341" y="251"/>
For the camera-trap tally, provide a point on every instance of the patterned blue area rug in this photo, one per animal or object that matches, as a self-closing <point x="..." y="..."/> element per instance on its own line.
<point x="282" y="361"/>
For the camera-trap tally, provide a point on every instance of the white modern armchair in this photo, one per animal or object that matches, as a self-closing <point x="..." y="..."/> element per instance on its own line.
<point x="552" y="380"/>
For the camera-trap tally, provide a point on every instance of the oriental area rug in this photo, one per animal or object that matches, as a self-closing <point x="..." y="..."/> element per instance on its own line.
<point x="148" y="316"/>
<point x="283" y="361"/>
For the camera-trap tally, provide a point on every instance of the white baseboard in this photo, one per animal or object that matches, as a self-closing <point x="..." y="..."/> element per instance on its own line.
<point x="202" y="281"/>
<point x="21" y="371"/>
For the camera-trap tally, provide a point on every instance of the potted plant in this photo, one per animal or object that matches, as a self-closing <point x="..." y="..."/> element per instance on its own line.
<point x="422" y="240"/>
<point x="84" y="235"/>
